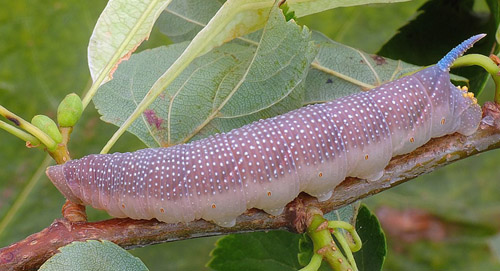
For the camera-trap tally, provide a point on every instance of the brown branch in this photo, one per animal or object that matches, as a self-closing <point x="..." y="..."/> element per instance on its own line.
<point x="31" y="252"/>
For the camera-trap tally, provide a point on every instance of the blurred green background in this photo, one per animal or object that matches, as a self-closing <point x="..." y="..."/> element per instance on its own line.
<point x="445" y="220"/>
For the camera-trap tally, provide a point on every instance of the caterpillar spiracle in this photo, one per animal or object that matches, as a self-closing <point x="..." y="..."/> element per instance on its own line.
<point x="266" y="164"/>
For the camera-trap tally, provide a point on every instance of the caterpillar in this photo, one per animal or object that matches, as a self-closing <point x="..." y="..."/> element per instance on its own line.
<point x="266" y="164"/>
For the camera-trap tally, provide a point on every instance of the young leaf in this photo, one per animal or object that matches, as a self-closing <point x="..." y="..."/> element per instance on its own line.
<point x="259" y="251"/>
<point x="372" y="254"/>
<point x="92" y="255"/>
<point x="48" y="126"/>
<point x="232" y="82"/>
<point x="69" y="110"/>
<point x="121" y="28"/>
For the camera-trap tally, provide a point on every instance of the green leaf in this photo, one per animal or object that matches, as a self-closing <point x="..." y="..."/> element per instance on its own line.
<point x="121" y="28"/>
<point x="347" y="213"/>
<point x="183" y="19"/>
<point x="236" y="18"/>
<point x="374" y="249"/>
<point x="306" y="7"/>
<point x="92" y="255"/>
<point x="185" y="111"/>
<point x="306" y="250"/>
<point x="232" y="85"/>
<point x="289" y="14"/>
<point x="340" y="70"/>
<point x="422" y="43"/>
<point x="259" y="251"/>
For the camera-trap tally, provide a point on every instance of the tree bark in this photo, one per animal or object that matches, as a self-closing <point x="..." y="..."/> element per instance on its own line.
<point x="33" y="251"/>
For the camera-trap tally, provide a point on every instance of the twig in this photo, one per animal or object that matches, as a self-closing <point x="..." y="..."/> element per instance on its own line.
<point x="31" y="252"/>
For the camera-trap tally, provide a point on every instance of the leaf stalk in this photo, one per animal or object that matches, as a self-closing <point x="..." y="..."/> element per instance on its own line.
<point x="325" y="246"/>
<point x="31" y="140"/>
<point x="487" y="64"/>
<point x="30" y="128"/>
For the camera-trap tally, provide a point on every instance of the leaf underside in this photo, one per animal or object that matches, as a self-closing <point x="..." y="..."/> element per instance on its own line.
<point x="120" y="29"/>
<point x="239" y="82"/>
<point x="93" y="255"/>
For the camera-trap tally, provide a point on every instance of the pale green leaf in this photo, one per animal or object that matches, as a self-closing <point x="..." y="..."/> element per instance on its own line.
<point x="183" y="19"/>
<point x="224" y="89"/>
<point x="234" y="19"/>
<point x="347" y="213"/>
<point x="93" y="255"/>
<point x="306" y="7"/>
<point x="340" y="70"/>
<point x="118" y="98"/>
<point x="289" y="103"/>
<point x="121" y="28"/>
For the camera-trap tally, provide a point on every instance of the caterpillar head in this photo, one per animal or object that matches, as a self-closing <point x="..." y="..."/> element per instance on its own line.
<point x="453" y="109"/>
<point x="58" y="178"/>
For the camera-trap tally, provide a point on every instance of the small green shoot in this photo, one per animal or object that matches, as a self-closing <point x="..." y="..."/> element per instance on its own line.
<point x="48" y="126"/>
<point x="486" y="63"/>
<point x="69" y="111"/>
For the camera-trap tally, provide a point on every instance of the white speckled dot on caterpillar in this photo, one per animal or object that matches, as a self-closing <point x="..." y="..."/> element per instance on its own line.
<point x="266" y="164"/>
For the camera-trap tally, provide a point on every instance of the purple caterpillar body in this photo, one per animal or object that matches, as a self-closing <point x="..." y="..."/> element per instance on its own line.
<point x="266" y="164"/>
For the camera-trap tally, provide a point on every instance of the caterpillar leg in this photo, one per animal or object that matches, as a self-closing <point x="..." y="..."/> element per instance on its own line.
<point x="226" y="223"/>
<point x="322" y="196"/>
<point x="375" y="176"/>
<point x="275" y="211"/>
